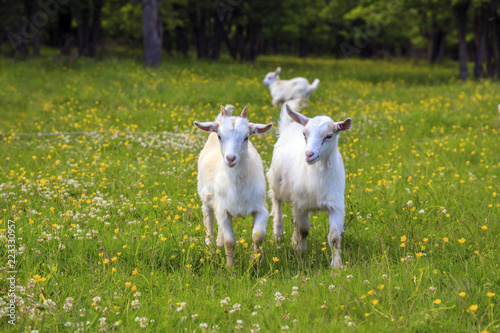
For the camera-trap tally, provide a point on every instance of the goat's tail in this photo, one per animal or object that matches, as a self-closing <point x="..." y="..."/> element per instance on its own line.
<point x="314" y="85"/>
<point x="229" y="108"/>
<point x="285" y="119"/>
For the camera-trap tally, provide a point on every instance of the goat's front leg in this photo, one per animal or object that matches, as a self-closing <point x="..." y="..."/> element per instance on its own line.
<point x="225" y="222"/>
<point x="259" y="232"/>
<point x="336" y="221"/>
<point x="301" y="228"/>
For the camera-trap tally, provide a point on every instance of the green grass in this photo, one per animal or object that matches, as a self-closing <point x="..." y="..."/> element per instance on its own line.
<point x="115" y="212"/>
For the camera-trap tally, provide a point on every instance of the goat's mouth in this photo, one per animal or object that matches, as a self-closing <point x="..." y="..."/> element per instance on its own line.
<point x="232" y="164"/>
<point x="312" y="160"/>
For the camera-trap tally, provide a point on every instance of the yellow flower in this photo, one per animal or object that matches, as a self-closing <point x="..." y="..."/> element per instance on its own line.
<point x="381" y="287"/>
<point x="490" y="294"/>
<point x="113" y="269"/>
<point x="275" y="259"/>
<point x="461" y="240"/>
<point x="437" y="301"/>
<point x="134" y="288"/>
<point x="462" y="294"/>
<point x="484" y="227"/>
<point x="370" y="292"/>
<point x="127" y="284"/>
<point x="105" y="261"/>
<point x="134" y="272"/>
<point x="403" y="238"/>
<point x="114" y="259"/>
<point x="445" y="239"/>
<point x="375" y="302"/>
<point x="473" y="307"/>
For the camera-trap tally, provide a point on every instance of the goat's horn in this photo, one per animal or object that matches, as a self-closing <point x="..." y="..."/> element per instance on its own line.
<point x="223" y="111"/>
<point x="244" y="112"/>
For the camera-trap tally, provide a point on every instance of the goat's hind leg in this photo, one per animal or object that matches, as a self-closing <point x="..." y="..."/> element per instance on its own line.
<point x="277" y="219"/>
<point x="301" y="228"/>
<point x="208" y="222"/>
<point x="336" y="221"/>
<point x="259" y="233"/>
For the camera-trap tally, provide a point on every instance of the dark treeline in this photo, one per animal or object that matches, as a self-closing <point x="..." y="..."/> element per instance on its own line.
<point x="467" y="30"/>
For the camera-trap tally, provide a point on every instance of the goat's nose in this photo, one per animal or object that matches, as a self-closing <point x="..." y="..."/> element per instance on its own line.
<point x="309" y="153"/>
<point x="230" y="158"/>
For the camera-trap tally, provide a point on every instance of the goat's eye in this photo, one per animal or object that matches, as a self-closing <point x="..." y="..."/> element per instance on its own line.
<point x="328" y="137"/>
<point x="246" y="139"/>
<point x="220" y="139"/>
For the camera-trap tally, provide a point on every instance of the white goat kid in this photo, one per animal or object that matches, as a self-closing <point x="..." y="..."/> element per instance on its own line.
<point x="307" y="171"/>
<point x="231" y="180"/>
<point x="285" y="90"/>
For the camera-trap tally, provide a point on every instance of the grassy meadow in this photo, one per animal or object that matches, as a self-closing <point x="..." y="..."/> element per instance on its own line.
<point x="108" y="228"/>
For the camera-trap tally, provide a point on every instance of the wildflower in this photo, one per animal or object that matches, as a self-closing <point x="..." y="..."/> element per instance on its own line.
<point x="68" y="304"/>
<point x="445" y="239"/>
<point x="461" y="240"/>
<point x="323" y="306"/>
<point x="236" y="307"/>
<point x="331" y="287"/>
<point x="462" y="294"/>
<point x="437" y="301"/>
<point x="421" y="211"/>
<point x="286" y="316"/>
<point x="275" y="259"/>
<point x="135" y="304"/>
<point x="409" y="204"/>
<point x="225" y="301"/>
<point x="375" y="302"/>
<point x="285" y="328"/>
<point x="143" y="322"/>
<point x="239" y="324"/>
<point x="473" y="307"/>
<point x="490" y="294"/>
<point x="255" y="328"/>
<point x="203" y="326"/>
<point x="349" y="277"/>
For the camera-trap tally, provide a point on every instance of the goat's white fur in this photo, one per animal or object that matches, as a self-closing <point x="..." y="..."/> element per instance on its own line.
<point x="307" y="171"/>
<point x="285" y="90"/>
<point x="231" y="180"/>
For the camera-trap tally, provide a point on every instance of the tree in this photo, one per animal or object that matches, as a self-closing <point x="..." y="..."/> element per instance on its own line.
<point x="152" y="32"/>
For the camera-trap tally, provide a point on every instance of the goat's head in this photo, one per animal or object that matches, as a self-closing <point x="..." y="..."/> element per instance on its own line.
<point x="320" y="134"/>
<point x="272" y="77"/>
<point x="233" y="134"/>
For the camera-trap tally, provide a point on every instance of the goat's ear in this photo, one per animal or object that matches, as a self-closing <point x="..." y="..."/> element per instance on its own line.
<point x="345" y="125"/>
<point x="208" y="126"/>
<point x="259" y="128"/>
<point x="277" y="71"/>
<point x="300" y="118"/>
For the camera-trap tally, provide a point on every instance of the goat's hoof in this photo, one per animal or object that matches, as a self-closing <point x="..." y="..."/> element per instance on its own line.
<point x="337" y="263"/>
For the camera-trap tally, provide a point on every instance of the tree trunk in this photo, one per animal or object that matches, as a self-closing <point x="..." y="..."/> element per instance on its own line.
<point x="96" y="27"/>
<point x="83" y="30"/>
<point x="217" y="38"/>
<point x="480" y="40"/>
<point x="181" y="41"/>
<point x="461" y="15"/>
<point x="152" y="32"/>
<point x="435" y="51"/>
<point x="492" y="47"/>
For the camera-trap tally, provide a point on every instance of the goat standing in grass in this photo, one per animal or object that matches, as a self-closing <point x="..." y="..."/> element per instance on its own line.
<point x="307" y="171"/>
<point x="285" y="90"/>
<point x="231" y="180"/>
